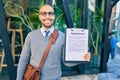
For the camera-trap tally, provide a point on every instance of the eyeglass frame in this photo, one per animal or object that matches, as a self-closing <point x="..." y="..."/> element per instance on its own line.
<point x="46" y="13"/>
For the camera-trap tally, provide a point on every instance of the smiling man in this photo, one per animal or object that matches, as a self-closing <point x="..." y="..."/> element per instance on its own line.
<point x="35" y="45"/>
<point x="46" y="16"/>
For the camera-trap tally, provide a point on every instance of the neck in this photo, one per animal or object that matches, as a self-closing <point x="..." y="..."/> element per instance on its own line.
<point x="46" y="28"/>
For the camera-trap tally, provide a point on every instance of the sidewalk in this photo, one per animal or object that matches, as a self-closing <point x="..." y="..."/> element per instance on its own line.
<point x="113" y="66"/>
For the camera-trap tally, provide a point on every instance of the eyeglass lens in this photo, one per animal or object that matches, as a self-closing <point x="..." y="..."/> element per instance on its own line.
<point x="45" y="13"/>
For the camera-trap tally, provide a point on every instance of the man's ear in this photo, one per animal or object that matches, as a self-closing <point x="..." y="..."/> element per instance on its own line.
<point x="39" y="17"/>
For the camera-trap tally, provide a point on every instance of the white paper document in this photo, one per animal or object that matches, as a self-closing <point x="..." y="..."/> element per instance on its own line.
<point x="76" y="44"/>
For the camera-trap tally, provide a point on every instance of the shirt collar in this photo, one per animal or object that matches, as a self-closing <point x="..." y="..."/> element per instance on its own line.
<point x="51" y="29"/>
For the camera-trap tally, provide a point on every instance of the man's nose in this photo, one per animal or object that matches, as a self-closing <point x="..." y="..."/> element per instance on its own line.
<point x="47" y="15"/>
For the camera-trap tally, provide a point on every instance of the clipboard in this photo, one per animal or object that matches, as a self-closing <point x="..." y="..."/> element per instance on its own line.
<point x="76" y="44"/>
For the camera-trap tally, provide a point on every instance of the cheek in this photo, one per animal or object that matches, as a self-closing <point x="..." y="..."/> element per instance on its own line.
<point x="42" y="18"/>
<point x="53" y="18"/>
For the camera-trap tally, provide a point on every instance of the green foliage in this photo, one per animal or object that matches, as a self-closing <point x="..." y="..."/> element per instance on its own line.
<point x="76" y="17"/>
<point x="60" y="19"/>
<point x="18" y="12"/>
<point x="31" y="20"/>
<point x="33" y="16"/>
<point x="95" y="21"/>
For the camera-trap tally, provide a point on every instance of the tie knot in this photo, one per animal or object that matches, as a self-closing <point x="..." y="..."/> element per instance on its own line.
<point x="46" y="33"/>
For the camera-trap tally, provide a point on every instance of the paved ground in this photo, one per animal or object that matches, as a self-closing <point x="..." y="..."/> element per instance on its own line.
<point x="112" y="73"/>
<point x="113" y="66"/>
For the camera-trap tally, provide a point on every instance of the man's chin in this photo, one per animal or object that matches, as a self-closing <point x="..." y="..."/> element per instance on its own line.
<point x="47" y="26"/>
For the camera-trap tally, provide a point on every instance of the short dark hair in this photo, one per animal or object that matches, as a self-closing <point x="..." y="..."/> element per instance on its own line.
<point x="111" y="33"/>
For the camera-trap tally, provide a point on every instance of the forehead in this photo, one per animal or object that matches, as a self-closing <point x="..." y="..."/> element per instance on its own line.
<point x="46" y="8"/>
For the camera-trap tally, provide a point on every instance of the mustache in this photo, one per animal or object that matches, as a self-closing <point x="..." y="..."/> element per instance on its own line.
<point x="47" y="19"/>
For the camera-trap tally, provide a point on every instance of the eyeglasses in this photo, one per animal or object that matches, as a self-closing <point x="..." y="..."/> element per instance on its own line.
<point x="45" y="13"/>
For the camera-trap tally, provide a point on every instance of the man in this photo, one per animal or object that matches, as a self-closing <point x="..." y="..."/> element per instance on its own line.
<point x="113" y="42"/>
<point x="35" y="45"/>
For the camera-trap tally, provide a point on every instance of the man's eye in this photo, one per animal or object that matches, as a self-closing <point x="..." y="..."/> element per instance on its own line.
<point x="51" y="13"/>
<point x="45" y="13"/>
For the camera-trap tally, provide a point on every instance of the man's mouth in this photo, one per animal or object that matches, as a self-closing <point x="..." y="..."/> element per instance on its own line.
<point x="47" y="19"/>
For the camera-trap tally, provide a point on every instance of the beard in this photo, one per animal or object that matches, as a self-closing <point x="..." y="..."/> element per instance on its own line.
<point x="47" y="23"/>
<point x="46" y="26"/>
